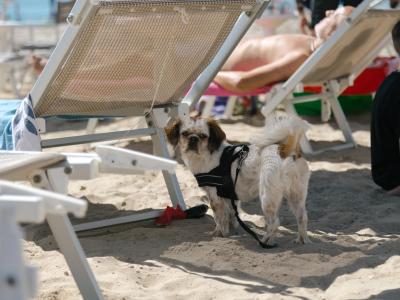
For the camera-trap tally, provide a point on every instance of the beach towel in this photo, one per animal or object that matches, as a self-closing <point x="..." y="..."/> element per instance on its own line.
<point x="18" y="126"/>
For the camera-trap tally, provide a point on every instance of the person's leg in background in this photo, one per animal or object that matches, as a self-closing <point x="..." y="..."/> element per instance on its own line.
<point x="388" y="179"/>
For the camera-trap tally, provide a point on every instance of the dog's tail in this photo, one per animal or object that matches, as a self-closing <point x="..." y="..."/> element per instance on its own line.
<point x="286" y="131"/>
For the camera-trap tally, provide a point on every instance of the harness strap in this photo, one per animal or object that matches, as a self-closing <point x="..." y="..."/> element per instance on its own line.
<point x="206" y="179"/>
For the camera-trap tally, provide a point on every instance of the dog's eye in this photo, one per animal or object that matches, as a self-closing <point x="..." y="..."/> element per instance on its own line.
<point x="185" y="133"/>
<point x="203" y="136"/>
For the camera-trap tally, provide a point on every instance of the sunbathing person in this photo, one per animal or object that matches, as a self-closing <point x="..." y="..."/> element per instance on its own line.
<point x="258" y="62"/>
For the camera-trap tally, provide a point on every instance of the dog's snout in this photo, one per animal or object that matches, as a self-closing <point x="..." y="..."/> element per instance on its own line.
<point x="193" y="142"/>
<point x="193" y="139"/>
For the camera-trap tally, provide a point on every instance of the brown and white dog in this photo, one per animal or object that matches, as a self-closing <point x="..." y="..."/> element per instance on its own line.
<point x="273" y="169"/>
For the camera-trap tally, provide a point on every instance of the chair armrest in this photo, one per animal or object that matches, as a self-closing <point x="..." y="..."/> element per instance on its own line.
<point x="54" y="203"/>
<point x="109" y="159"/>
<point x="125" y="161"/>
<point x="27" y="209"/>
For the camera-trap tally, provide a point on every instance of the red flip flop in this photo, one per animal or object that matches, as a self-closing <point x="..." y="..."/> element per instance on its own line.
<point x="166" y="217"/>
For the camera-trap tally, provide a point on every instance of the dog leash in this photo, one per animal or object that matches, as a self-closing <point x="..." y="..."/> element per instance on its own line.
<point x="242" y="157"/>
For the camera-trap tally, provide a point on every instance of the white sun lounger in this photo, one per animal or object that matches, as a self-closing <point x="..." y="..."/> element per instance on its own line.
<point x="138" y="58"/>
<point x="51" y="171"/>
<point x="336" y="64"/>
<point x="22" y="204"/>
<point x="129" y="58"/>
<point x="18" y="281"/>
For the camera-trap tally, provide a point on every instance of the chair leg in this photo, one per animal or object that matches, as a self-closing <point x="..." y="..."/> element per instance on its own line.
<point x="67" y="240"/>
<point x="342" y="121"/>
<point x="91" y="125"/>
<point x="74" y="255"/>
<point x="161" y="149"/>
<point x="18" y="281"/>
<point x="230" y="106"/>
<point x="209" y="102"/>
<point x="325" y="110"/>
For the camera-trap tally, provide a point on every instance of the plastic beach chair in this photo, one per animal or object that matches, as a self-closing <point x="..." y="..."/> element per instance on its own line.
<point x="130" y="58"/>
<point x="137" y="58"/>
<point x="334" y="67"/>
<point x="51" y="171"/>
<point x="46" y="171"/>
<point x="366" y="83"/>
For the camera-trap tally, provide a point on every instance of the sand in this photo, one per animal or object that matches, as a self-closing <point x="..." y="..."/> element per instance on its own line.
<point x="353" y="225"/>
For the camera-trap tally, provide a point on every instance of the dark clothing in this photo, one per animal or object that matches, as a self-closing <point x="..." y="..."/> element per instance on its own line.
<point x="303" y="3"/>
<point x="385" y="133"/>
<point x="319" y="7"/>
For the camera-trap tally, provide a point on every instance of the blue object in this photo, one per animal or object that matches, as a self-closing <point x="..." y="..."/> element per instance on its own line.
<point x="7" y="112"/>
<point x="219" y="106"/>
<point x="29" y="10"/>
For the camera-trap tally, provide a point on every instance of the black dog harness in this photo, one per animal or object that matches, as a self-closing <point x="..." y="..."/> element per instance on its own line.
<point x="220" y="177"/>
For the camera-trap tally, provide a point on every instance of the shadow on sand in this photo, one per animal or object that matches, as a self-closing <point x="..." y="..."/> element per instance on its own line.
<point x="340" y="204"/>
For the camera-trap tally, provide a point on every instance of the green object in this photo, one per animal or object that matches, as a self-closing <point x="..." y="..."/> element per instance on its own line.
<point x="350" y="105"/>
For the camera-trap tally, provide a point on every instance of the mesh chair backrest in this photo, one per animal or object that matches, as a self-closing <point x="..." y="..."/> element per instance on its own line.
<point x="135" y="54"/>
<point x="356" y="44"/>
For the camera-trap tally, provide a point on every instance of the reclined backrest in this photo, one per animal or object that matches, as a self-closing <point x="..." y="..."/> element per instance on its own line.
<point x="121" y="58"/>
<point x="352" y="51"/>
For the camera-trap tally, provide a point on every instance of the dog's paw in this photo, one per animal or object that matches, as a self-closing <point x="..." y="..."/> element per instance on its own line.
<point x="268" y="240"/>
<point x="301" y="241"/>
<point x="235" y="225"/>
<point x="217" y="233"/>
<point x="220" y="233"/>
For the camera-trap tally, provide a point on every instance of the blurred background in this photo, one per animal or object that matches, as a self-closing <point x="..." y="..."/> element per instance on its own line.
<point x="30" y="29"/>
<point x="30" y="10"/>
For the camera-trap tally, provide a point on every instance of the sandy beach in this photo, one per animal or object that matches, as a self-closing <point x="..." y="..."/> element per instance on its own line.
<point x="353" y="225"/>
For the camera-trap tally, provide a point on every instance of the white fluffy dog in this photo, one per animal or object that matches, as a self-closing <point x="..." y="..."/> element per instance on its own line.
<point x="273" y="169"/>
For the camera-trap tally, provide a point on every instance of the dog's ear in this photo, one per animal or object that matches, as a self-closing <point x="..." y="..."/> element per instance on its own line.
<point x="217" y="135"/>
<point x="173" y="132"/>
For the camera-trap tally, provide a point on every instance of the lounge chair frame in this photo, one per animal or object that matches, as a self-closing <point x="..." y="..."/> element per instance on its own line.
<point x="26" y="204"/>
<point x="54" y="176"/>
<point x="110" y="159"/>
<point x="157" y="117"/>
<point x="19" y="280"/>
